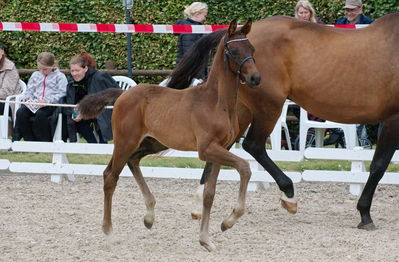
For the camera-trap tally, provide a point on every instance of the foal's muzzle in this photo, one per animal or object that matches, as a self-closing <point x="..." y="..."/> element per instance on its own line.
<point x="253" y="80"/>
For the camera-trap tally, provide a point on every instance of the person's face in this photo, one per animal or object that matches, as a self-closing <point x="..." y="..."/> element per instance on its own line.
<point x="200" y="16"/>
<point x="78" y="72"/>
<point x="45" y="69"/>
<point x="352" y="14"/>
<point x="303" y="14"/>
<point x="1" y="52"/>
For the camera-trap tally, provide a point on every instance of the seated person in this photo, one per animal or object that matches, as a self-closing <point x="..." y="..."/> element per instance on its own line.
<point x="86" y="79"/>
<point x="9" y="78"/>
<point x="47" y="85"/>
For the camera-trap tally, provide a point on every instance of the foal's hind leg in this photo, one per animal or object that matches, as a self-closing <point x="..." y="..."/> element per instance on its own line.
<point x="148" y="146"/>
<point x="149" y="198"/>
<point x="111" y="175"/>
<point x="386" y="146"/>
<point x="254" y="144"/>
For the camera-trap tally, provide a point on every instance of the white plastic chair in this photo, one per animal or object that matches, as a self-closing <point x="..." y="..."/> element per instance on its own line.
<point x="124" y="82"/>
<point x="4" y="118"/>
<point x="275" y="136"/>
<point x="320" y="127"/>
<point x="194" y="82"/>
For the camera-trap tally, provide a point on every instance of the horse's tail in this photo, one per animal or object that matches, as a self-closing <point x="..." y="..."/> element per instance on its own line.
<point x="92" y="105"/>
<point x="194" y="60"/>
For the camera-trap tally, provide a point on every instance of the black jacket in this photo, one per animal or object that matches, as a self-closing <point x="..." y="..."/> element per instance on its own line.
<point x="186" y="41"/>
<point x="95" y="81"/>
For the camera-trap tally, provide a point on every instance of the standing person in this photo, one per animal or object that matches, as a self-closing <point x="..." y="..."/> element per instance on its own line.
<point x="195" y="15"/>
<point x="354" y="15"/>
<point x="47" y="85"/>
<point x="9" y="78"/>
<point x="86" y="79"/>
<point x="304" y="10"/>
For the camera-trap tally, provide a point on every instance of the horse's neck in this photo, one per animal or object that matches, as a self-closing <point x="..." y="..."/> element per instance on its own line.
<point x="222" y="83"/>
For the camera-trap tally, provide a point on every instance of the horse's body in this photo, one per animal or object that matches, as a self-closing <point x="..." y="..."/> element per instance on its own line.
<point x="202" y="119"/>
<point x="343" y="75"/>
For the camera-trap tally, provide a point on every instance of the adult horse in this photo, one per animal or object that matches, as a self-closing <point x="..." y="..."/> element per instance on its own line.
<point x="343" y="75"/>
<point x="202" y="119"/>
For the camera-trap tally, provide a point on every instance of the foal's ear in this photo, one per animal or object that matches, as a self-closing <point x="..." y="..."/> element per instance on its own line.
<point x="245" y="29"/>
<point x="233" y="27"/>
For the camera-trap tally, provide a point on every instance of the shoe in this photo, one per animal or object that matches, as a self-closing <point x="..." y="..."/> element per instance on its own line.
<point x="365" y="143"/>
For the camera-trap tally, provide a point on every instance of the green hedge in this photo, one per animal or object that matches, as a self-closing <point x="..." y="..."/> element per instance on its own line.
<point x="150" y="51"/>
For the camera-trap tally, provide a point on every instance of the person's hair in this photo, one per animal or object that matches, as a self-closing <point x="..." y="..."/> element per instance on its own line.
<point x="194" y="8"/>
<point x="83" y="59"/>
<point x="46" y="59"/>
<point x="308" y="6"/>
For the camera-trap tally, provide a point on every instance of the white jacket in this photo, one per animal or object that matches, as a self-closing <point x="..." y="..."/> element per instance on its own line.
<point x="51" y="87"/>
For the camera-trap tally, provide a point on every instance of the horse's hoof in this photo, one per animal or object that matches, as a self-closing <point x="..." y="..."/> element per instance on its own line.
<point x="368" y="226"/>
<point x="208" y="245"/>
<point x="148" y="222"/>
<point x="196" y="216"/>
<point x="225" y="226"/>
<point x="289" y="204"/>
<point x="107" y="229"/>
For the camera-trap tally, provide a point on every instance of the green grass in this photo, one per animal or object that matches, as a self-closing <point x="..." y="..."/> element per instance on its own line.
<point x="181" y="162"/>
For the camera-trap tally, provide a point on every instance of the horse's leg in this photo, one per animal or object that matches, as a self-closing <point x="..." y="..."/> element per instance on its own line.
<point x="148" y="146"/>
<point x="198" y="195"/>
<point x="244" y="117"/>
<point x="149" y="198"/>
<point x="217" y="154"/>
<point x="209" y="194"/>
<point x="122" y="151"/>
<point x="386" y="146"/>
<point x="254" y="144"/>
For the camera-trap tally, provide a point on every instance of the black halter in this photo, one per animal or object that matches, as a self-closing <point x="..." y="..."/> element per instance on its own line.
<point x="228" y="54"/>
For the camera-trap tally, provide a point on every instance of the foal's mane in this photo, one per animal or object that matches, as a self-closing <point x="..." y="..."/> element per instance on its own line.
<point x="194" y="60"/>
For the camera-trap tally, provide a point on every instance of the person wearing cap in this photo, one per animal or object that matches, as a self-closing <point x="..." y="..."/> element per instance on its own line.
<point x="47" y="85"/>
<point x="354" y="14"/>
<point x="9" y="78"/>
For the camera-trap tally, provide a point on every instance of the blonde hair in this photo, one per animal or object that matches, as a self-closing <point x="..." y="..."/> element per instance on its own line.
<point x="46" y="59"/>
<point x="194" y="8"/>
<point x="308" y="6"/>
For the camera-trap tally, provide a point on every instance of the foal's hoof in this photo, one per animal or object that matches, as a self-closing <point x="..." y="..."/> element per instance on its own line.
<point x="148" y="221"/>
<point x="196" y="216"/>
<point x="107" y="229"/>
<point x="368" y="226"/>
<point x="208" y="245"/>
<point x="289" y="204"/>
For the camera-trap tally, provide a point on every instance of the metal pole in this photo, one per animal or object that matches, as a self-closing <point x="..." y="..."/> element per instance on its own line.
<point x="129" y="45"/>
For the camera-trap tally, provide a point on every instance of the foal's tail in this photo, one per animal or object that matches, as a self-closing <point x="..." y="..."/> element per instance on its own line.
<point x="194" y="60"/>
<point x="92" y="105"/>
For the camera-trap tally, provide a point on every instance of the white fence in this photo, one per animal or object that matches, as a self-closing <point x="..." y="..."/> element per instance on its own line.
<point x="60" y="168"/>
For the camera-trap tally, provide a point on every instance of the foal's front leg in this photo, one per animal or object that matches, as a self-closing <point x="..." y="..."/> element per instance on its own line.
<point x="217" y="154"/>
<point x="208" y="196"/>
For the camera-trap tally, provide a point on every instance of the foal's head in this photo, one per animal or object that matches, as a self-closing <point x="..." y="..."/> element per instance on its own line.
<point x="239" y="54"/>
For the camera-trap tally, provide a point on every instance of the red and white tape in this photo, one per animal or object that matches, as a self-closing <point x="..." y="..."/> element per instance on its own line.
<point x="121" y="28"/>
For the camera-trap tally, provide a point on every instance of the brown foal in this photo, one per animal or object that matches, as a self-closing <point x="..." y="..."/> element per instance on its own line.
<point x="202" y="119"/>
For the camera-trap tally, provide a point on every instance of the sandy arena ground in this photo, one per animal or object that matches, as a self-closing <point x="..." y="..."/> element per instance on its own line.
<point x="43" y="221"/>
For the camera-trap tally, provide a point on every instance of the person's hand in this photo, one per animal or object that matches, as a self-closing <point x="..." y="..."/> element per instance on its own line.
<point x="75" y="117"/>
<point x="42" y="100"/>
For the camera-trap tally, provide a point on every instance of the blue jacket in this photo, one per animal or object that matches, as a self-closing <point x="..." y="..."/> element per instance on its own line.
<point x="362" y="20"/>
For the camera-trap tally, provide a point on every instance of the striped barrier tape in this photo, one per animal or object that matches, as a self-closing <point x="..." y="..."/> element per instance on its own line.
<point x="122" y="28"/>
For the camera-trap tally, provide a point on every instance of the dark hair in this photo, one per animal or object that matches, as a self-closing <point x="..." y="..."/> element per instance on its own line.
<point x="1" y="45"/>
<point x="83" y="59"/>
